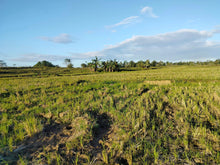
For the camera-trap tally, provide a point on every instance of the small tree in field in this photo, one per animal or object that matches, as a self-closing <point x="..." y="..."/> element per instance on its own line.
<point x="68" y="63"/>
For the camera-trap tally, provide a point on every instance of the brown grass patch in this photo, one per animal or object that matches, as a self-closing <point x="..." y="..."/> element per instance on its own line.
<point x="161" y="82"/>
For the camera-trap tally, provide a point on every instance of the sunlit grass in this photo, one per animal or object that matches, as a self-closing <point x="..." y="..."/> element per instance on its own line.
<point x="161" y="116"/>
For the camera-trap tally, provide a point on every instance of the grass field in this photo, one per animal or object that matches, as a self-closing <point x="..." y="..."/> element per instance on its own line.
<point x="168" y="115"/>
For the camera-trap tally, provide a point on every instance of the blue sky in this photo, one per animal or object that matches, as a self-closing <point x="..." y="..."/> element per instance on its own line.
<point x="168" y="30"/>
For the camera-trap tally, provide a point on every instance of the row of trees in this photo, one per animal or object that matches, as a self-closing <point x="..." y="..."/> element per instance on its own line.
<point x="107" y="66"/>
<point x="43" y="64"/>
<point x="114" y="65"/>
<point x="216" y="62"/>
<point x="49" y="64"/>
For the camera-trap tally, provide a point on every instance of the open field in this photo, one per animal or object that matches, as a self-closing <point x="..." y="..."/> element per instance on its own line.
<point x="169" y="115"/>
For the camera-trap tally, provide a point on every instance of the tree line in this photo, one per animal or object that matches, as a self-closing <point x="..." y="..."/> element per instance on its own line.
<point x="114" y="65"/>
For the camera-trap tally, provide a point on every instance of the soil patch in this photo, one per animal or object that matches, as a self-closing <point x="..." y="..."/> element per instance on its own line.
<point x="100" y="131"/>
<point x="52" y="138"/>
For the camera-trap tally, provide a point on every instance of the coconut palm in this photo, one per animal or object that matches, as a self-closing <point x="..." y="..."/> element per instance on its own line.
<point x="95" y="64"/>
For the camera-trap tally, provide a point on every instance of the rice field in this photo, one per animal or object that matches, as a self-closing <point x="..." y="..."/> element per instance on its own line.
<point x="168" y="115"/>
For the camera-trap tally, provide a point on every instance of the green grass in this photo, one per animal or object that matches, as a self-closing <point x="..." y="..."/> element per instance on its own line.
<point x="169" y="115"/>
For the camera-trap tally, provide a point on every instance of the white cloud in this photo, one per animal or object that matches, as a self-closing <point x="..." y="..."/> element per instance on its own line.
<point x="83" y="56"/>
<point x="185" y="44"/>
<point x="148" y="11"/>
<point x="126" y="21"/>
<point x="181" y="45"/>
<point x="216" y="29"/>
<point x="34" y="57"/>
<point x="62" y="38"/>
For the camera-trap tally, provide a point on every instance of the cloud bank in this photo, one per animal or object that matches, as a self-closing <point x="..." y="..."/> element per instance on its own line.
<point x="62" y="38"/>
<point x="181" y="45"/>
<point x="34" y="57"/>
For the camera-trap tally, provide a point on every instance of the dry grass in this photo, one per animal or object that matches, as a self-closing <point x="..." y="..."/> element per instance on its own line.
<point x="161" y="116"/>
<point x="159" y="82"/>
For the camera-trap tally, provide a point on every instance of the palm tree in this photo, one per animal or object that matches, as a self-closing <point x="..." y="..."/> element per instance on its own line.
<point x="95" y="63"/>
<point x="104" y="66"/>
<point x="115" y="66"/>
<point x="110" y="65"/>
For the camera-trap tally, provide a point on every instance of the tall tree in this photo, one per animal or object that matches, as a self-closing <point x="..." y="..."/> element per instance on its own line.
<point x="153" y="63"/>
<point x="68" y="63"/>
<point x="95" y="63"/>
<point x="140" y="64"/>
<point x="132" y="64"/>
<point x="125" y="64"/>
<point x="115" y="65"/>
<point x="147" y="63"/>
<point x="104" y="66"/>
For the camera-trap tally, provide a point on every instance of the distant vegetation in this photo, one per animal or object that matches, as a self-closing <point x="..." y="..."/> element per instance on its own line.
<point x="97" y="64"/>
<point x="2" y="64"/>
<point x="67" y="61"/>
<point x="44" y="64"/>
<point x="114" y="65"/>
